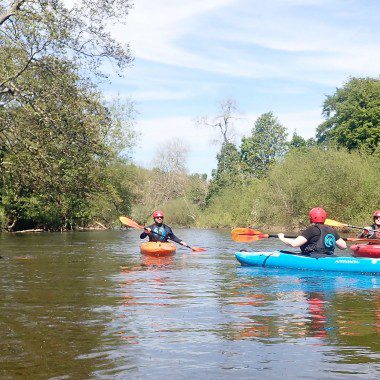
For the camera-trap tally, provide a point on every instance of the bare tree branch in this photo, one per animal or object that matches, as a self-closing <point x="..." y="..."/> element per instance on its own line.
<point x="11" y="12"/>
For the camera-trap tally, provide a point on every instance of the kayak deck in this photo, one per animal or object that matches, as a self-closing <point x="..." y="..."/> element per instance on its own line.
<point x="158" y="248"/>
<point x="280" y="259"/>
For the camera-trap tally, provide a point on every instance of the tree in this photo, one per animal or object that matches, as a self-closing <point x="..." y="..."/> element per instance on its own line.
<point x="228" y="172"/>
<point x="33" y="29"/>
<point x="223" y="122"/>
<point x="298" y="142"/>
<point x="56" y="134"/>
<point x="52" y="165"/>
<point x="266" y="144"/>
<point x="168" y="178"/>
<point x="353" y="115"/>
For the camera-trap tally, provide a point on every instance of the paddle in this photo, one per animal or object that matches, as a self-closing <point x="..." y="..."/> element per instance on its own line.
<point x="131" y="223"/>
<point x="334" y="223"/>
<point x="248" y="235"/>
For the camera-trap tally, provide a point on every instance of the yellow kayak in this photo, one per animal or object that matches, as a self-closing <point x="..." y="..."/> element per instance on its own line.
<point x="158" y="248"/>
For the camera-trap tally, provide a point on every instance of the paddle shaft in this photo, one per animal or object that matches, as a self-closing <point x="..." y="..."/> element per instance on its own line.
<point x="335" y="223"/>
<point x="285" y="236"/>
<point x="247" y="235"/>
<point x="345" y="239"/>
<point x="131" y="223"/>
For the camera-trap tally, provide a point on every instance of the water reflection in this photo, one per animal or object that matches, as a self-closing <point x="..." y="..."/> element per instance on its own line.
<point x="91" y="306"/>
<point x="302" y="304"/>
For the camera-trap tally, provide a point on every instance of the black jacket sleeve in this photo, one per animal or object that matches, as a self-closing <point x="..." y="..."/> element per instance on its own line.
<point x="143" y="234"/>
<point x="171" y="236"/>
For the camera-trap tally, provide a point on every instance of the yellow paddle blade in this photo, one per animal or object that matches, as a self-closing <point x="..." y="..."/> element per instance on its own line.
<point x="129" y="222"/>
<point x="334" y="223"/>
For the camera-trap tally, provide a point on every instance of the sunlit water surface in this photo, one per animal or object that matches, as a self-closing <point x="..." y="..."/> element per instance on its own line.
<point x="89" y="305"/>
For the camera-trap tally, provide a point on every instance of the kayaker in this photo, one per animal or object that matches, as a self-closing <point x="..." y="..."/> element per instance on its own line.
<point x="318" y="240"/>
<point x="160" y="231"/>
<point x="372" y="231"/>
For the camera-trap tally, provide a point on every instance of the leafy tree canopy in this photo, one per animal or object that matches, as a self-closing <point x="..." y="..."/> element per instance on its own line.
<point x="353" y="115"/>
<point x="266" y="144"/>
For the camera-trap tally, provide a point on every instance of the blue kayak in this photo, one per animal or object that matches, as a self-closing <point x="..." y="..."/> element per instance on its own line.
<point x="281" y="259"/>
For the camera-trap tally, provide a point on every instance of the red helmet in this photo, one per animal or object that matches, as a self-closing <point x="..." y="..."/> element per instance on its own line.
<point x="317" y="215"/>
<point x="376" y="213"/>
<point x="158" y="213"/>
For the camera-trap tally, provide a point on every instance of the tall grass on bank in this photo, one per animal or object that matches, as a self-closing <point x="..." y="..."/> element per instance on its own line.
<point x="234" y="206"/>
<point x="344" y="184"/>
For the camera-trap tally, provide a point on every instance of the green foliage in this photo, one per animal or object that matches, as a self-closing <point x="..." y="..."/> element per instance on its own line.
<point x="233" y="206"/>
<point x="52" y="148"/>
<point x="59" y="142"/>
<point x="117" y="193"/>
<point x="353" y="115"/>
<point x="228" y="171"/>
<point x="3" y="219"/>
<point x="196" y="189"/>
<point x="299" y="142"/>
<point x="180" y="213"/>
<point x="266" y="145"/>
<point x="343" y="183"/>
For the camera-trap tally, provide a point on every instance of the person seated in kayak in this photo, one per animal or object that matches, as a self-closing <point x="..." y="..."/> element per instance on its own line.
<point x="317" y="240"/>
<point x="160" y="231"/>
<point x="373" y="231"/>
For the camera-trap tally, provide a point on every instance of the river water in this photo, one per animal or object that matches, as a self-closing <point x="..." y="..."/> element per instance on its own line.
<point x="88" y="305"/>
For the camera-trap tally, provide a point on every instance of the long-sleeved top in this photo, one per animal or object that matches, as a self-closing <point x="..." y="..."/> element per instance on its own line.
<point x="160" y="233"/>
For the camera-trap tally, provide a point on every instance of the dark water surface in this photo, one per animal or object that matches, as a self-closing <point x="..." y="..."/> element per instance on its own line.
<point x="88" y="305"/>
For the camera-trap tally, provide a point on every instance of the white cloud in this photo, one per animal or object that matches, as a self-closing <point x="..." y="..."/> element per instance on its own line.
<point x="171" y="33"/>
<point x="304" y="123"/>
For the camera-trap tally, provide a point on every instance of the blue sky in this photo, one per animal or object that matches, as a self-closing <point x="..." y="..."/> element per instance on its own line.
<point x="282" y="56"/>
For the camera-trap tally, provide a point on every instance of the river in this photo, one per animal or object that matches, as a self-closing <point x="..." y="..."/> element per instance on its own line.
<point x="88" y="305"/>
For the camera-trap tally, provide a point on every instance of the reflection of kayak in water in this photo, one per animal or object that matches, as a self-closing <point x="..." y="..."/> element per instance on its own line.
<point x="366" y="250"/>
<point x="158" y="248"/>
<point x="157" y="261"/>
<point x="279" y="259"/>
<point x="274" y="280"/>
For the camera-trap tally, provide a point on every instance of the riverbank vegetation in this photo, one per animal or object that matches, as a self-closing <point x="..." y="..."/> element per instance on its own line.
<point x="66" y="153"/>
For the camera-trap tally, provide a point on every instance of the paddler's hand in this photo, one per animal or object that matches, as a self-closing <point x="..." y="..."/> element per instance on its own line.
<point x="366" y="233"/>
<point x="147" y="230"/>
<point x="183" y="243"/>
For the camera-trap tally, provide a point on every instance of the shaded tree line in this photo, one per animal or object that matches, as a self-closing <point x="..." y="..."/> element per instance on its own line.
<point x="59" y="140"/>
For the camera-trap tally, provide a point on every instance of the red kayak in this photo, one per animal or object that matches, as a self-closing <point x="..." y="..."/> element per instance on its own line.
<point x="366" y="250"/>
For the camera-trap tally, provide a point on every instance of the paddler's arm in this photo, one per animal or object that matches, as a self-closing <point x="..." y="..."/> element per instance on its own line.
<point x="175" y="238"/>
<point x="365" y="233"/>
<point x="146" y="232"/>
<point x="292" y="242"/>
<point x="341" y="244"/>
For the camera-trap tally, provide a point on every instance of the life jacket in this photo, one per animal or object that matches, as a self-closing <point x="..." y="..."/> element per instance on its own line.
<point x="159" y="233"/>
<point x="375" y="233"/>
<point x="325" y="244"/>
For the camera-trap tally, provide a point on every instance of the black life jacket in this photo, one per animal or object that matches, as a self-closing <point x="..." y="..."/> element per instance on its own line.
<point x="325" y="244"/>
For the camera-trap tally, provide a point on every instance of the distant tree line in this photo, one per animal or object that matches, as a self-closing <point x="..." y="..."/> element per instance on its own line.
<point x="346" y="148"/>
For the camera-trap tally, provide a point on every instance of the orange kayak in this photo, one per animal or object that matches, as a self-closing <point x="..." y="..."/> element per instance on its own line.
<point x="158" y="248"/>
